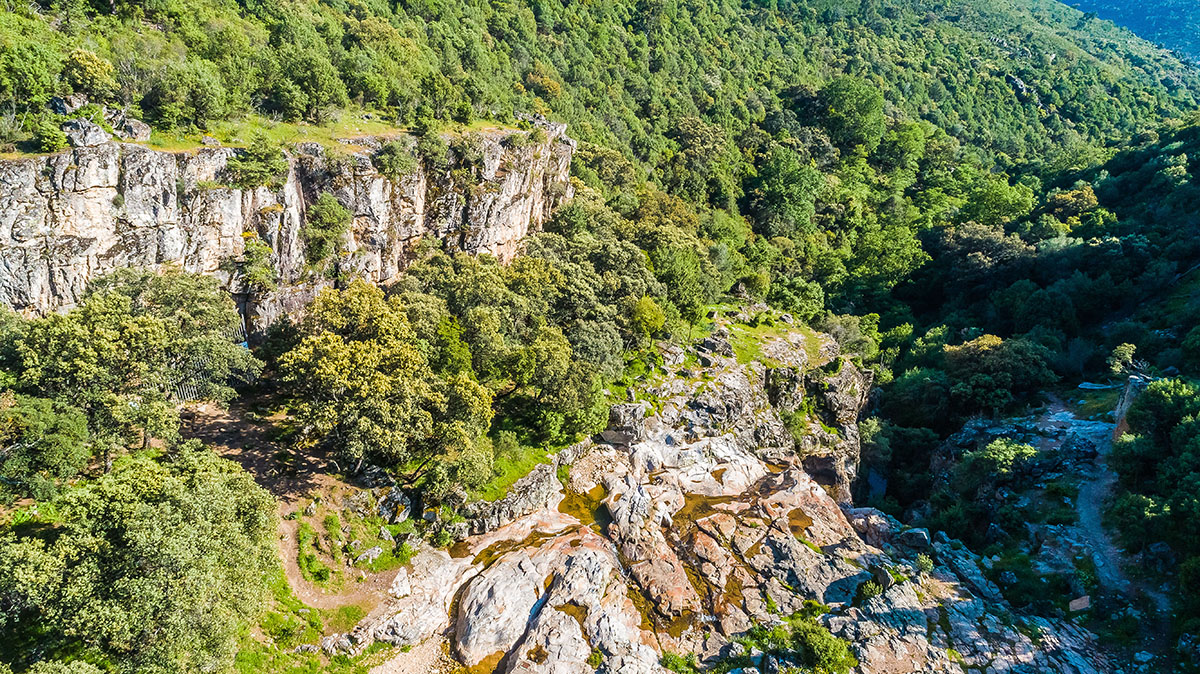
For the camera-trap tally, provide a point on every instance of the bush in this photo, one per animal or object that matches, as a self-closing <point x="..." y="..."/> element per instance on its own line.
<point x="869" y="589"/>
<point x="325" y="223"/>
<point x="257" y="270"/>
<point x="433" y="150"/>
<point x="49" y="137"/>
<point x="996" y="462"/>
<point x="680" y="664"/>
<point x="395" y="160"/>
<point x="261" y="163"/>
<point x="86" y="72"/>
<point x="924" y="563"/>
<point x="819" y="649"/>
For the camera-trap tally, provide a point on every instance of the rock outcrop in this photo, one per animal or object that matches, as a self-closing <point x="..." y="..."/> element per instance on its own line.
<point x="69" y="217"/>
<point x="695" y="520"/>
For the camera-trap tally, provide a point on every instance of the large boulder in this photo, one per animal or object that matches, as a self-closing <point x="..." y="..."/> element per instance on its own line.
<point x="395" y="507"/>
<point x="874" y="526"/>
<point x="842" y="390"/>
<point x="626" y="424"/>
<point x="85" y="133"/>
<point x="785" y="388"/>
<point x="538" y="490"/>
<point x="66" y="105"/>
<point x="128" y="128"/>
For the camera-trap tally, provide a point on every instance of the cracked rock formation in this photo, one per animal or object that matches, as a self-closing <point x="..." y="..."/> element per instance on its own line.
<point x="67" y="218"/>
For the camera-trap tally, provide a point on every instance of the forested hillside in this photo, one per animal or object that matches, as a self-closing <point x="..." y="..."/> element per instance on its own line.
<point x="978" y="202"/>
<point x="1174" y="24"/>
<point x="1013" y="80"/>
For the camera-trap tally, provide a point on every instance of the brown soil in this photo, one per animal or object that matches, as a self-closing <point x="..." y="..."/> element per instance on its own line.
<point x="293" y="478"/>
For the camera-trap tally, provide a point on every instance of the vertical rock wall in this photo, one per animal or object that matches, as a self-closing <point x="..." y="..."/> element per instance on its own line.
<point x="69" y="217"/>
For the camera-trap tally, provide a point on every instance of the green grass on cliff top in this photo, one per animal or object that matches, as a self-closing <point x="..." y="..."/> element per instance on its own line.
<point x="347" y="125"/>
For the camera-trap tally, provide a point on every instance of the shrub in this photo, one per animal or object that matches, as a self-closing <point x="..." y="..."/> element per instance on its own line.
<point x="395" y="160"/>
<point x="257" y="270"/>
<point x="86" y="72"/>
<point x="924" y="563"/>
<point x="49" y="137"/>
<point x="433" y="150"/>
<point x="326" y="222"/>
<point x="819" y="649"/>
<point x="680" y="664"/>
<point x="869" y="589"/>
<point x="996" y="462"/>
<point x="261" y="163"/>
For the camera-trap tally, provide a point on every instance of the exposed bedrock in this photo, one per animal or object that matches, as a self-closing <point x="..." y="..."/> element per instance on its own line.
<point x="67" y="218"/>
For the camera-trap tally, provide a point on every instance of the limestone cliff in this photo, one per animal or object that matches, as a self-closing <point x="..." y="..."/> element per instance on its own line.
<point x="69" y="217"/>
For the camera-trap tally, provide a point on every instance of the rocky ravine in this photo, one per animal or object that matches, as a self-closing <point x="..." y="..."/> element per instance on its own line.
<point x="693" y="519"/>
<point x="69" y="217"/>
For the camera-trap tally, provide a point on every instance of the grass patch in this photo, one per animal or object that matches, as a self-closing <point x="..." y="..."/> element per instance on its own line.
<point x="289" y="622"/>
<point x="258" y="658"/>
<point x="311" y="566"/>
<point x="348" y="123"/>
<point x="343" y="618"/>
<point x="747" y="342"/>
<point x="392" y="558"/>
<point x="238" y="132"/>
<point x="333" y="527"/>
<point x="1091" y="404"/>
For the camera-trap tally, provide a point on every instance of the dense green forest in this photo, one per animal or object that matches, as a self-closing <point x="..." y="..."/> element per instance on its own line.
<point x="1172" y="23"/>
<point x="978" y="199"/>
<point x="1013" y="80"/>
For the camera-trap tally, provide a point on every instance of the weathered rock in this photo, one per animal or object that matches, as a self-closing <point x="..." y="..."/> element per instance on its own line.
<point x="672" y="354"/>
<point x="371" y="554"/>
<point x="713" y="541"/>
<point x="537" y="490"/>
<point x="640" y="512"/>
<point x="359" y="503"/>
<point x="545" y="606"/>
<point x="830" y="448"/>
<point x="785" y="386"/>
<point x="394" y="506"/>
<point x="61" y="223"/>
<point x="424" y="610"/>
<point x="335" y="644"/>
<point x="626" y="424"/>
<point x="844" y="392"/>
<point x="401" y="586"/>
<point x="917" y="539"/>
<point x="128" y="128"/>
<point x="67" y="105"/>
<point x="964" y="565"/>
<point x="876" y="527"/>
<point x="85" y="133"/>
<point x="1078" y="447"/>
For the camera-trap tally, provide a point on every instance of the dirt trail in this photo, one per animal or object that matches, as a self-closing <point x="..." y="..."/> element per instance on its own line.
<point x="239" y="435"/>
<point x="1095" y="489"/>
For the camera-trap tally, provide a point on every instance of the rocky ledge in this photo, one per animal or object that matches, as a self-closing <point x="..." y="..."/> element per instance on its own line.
<point x="695" y="519"/>
<point x="69" y="217"/>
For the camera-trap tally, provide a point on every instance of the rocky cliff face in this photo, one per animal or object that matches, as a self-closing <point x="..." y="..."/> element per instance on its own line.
<point x="694" y="518"/>
<point x="70" y="217"/>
